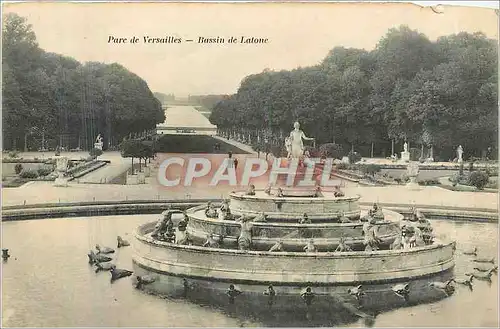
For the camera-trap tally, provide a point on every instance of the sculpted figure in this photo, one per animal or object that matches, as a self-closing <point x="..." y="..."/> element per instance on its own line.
<point x="296" y="141"/>
<point x="262" y="217"/>
<point x="310" y="247"/>
<point x="278" y="246"/>
<point x="251" y="190"/>
<point x="210" y="211"/>
<point x="245" y="238"/>
<point x="288" y="147"/>
<point x="305" y="219"/>
<point x="212" y="242"/>
<point x="163" y="225"/>
<point x="343" y="246"/>
<point x="338" y="192"/>
<point x="268" y="190"/>
<point x="377" y="212"/>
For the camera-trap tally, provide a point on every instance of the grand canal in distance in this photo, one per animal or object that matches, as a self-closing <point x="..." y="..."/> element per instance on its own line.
<point x="48" y="282"/>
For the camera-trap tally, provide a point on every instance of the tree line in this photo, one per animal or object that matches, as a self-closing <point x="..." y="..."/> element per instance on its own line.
<point x="433" y="94"/>
<point x="52" y="100"/>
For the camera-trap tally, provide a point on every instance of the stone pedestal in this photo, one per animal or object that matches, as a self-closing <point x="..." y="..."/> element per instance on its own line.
<point x="61" y="181"/>
<point x="147" y="171"/>
<point x="405" y="156"/>
<point x="412" y="184"/>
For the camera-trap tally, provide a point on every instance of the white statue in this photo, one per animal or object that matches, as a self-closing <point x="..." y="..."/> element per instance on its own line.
<point x="288" y="146"/>
<point x="460" y="151"/>
<point x="98" y="142"/>
<point x="405" y="147"/>
<point x="296" y="144"/>
<point x="61" y="169"/>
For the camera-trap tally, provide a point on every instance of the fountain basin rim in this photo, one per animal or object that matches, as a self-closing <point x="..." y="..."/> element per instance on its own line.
<point x="278" y="283"/>
<point x="140" y="235"/>
<point x="298" y="199"/>
<point x="191" y="212"/>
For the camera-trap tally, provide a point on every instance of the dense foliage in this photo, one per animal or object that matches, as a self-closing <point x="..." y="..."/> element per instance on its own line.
<point x="54" y="100"/>
<point x="438" y="94"/>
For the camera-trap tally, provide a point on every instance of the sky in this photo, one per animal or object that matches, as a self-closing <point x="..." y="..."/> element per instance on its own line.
<point x="299" y="35"/>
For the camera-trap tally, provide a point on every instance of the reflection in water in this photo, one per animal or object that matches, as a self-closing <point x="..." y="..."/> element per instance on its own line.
<point x="47" y="281"/>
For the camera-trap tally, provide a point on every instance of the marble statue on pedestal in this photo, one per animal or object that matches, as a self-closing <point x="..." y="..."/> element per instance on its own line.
<point x="405" y="155"/>
<point x="61" y="169"/>
<point x="460" y="152"/>
<point x="98" y="142"/>
<point x="295" y="146"/>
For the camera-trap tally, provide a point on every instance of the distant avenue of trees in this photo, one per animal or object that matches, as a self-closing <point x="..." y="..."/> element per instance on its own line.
<point x="435" y="95"/>
<point x="52" y="100"/>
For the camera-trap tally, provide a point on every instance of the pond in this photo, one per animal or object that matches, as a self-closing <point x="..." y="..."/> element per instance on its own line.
<point x="48" y="281"/>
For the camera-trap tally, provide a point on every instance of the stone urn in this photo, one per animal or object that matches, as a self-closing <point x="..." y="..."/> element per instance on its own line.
<point x="61" y="169"/>
<point x="412" y="172"/>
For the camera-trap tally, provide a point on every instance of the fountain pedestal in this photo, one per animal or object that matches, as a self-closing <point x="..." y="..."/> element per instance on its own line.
<point x="405" y="156"/>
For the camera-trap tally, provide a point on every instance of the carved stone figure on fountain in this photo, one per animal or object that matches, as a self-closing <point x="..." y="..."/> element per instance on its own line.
<point x="181" y="236"/>
<point x="305" y="220"/>
<point x="260" y="218"/>
<point x="310" y="247"/>
<point x="296" y="141"/>
<point x="226" y="215"/>
<point x="377" y="212"/>
<point x="245" y="238"/>
<point x="210" y="211"/>
<point x="318" y="193"/>
<point x="212" y="242"/>
<point x="279" y="192"/>
<point x="372" y="241"/>
<point x="251" y="190"/>
<point x="224" y="206"/>
<point x="268" y="190"/>
<point x="338" y="192"/>
<point x="343" y="246"/>
<point x="160" y="227"/>
<point x="343" y="218"/>
<point x="277" y="247"/>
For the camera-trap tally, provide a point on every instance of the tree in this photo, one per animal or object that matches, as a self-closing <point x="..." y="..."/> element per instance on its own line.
<point x="44" y="94"/>
<point x="131" y="149"/>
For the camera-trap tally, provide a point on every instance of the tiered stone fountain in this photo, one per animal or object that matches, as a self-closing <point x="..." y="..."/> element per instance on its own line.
<point x="288" y="248"/>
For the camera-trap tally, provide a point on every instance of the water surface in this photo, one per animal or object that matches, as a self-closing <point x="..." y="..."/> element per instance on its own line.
<point x="48" y="282"/>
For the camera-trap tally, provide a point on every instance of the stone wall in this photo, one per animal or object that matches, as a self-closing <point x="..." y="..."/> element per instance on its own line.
<point x="290" y="266"/>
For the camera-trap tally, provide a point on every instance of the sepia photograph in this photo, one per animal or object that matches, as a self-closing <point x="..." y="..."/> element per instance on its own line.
<point x="251" y="164"/>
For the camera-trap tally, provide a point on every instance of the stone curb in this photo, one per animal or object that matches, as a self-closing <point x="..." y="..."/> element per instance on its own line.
<point x="156" y="206"/>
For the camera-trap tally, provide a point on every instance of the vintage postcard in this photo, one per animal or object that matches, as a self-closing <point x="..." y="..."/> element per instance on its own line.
<point x="290" y="164"/>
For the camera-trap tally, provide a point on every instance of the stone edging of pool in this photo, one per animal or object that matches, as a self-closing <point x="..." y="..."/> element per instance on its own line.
<point x="131" y="207"/>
